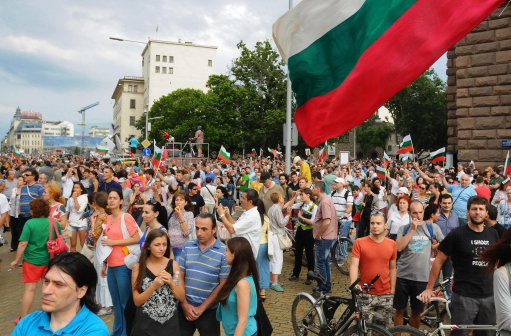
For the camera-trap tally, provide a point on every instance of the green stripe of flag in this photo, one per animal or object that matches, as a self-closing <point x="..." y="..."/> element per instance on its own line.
<point x="329" y="60"/>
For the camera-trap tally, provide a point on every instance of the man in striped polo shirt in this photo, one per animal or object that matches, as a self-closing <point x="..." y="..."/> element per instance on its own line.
<point x="204" y="270"/>
<point x="31" y="190"/>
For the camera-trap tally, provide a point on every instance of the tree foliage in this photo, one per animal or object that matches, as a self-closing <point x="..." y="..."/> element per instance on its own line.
<point x="374" y="133"/>
<point x="420" y="110"/>
<point x="243" y="110"/>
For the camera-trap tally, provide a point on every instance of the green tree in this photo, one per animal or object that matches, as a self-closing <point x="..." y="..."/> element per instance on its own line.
<point x="260" y="72"/>
<point x="420" y="110"/>
<point x="373" y="133"/>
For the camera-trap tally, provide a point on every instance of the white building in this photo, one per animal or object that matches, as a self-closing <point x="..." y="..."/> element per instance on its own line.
<point x="166" y="66"/>
<point x="99" y="132"/>
<point x="58" y="128"/>
<point x="25" y="132"/>
<point x="128" y="107"/>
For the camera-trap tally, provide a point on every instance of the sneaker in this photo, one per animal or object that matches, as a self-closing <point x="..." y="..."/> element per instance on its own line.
<point x="277" y="287"/>
<point x="308" y="282"/>
<point x="293" y="278"/>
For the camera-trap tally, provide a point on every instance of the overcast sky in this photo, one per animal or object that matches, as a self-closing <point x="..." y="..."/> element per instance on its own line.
<point x="55" y="56"/>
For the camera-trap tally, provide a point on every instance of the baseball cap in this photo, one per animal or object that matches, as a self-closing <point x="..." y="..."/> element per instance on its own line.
<point x="122" y="180"/>
<point x="339" y="180"/>
<point x="403" y="190"/>
<point x="297" y="159"/>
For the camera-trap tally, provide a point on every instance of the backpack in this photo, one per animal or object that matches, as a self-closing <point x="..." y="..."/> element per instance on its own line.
<point x="428" y="226"/>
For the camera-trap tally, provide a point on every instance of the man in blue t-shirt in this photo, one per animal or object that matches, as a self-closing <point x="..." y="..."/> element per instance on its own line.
<point x="68" y="301"/>
<point x="133" y="144"/>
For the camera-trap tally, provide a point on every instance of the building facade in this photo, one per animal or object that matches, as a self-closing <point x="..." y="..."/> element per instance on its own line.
<point x="128" y="99"/>
<point x="479" y="92"/>
<point x="58" y="128"/>
<point x="166" y="67"/>
<point x="99" y="132"/>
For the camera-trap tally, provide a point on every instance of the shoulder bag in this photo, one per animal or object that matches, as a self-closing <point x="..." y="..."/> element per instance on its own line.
<point x="132" y="251"/>
<point x="58" y="245"/>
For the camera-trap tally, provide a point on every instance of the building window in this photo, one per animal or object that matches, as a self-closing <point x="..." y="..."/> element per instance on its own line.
<point x="164" y="58"/>
<point x="130" y="88"/>
<point x="210" y="63"/>
<point x="157" y="69"/>
<point x="171" y="59"/>
<point x="164" y="70"/>
<point x="132" y="120"/>
<point x="18" y="136"/>
<point x="157" y="58"/>
<point x="135" y="88"/>
<point x="171" y="70"/>
<point x="132" y="103"/>
<point x="389" y="148"/>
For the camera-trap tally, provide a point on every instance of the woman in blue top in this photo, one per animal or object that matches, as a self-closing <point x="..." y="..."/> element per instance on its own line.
<point x="238" y="297"/>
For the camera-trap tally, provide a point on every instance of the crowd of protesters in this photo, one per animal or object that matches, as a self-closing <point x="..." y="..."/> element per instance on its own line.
<point x="193" y="246"/>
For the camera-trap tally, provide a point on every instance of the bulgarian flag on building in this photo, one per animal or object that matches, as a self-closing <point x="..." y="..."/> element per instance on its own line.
<point x="406" y="145"/>
<point x="386" y="159"/>
<point x="224" y="155"/>
<point x="340" y="77"/>
<point x="101" y="151"/>
<point x="381" y="172"/>
<point x="438" y="156"/>
<point x="323" y="152"/>
<point x="158" y="156"/>
<point x="16" y="154"/>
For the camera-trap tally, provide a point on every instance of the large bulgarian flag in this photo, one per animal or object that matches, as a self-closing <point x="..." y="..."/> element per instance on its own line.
<point x="224" y="155"/>
<point x="101" y="151"/>
<point x="346" y="58"/>
<point x="406" y="145"/>
<point x="15" y="154"/>
<point x="438" y="156"/>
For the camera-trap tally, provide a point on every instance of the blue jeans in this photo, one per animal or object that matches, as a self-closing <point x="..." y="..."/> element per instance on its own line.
<point x="345" y="226"/>
<point x="263" y="266"/>
<point x="119" y="284"/>
<point x="322" y="263"/>
<point x="177" y="253"/>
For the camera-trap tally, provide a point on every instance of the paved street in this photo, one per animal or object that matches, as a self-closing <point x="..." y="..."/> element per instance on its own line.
<point x="278" y="305"/>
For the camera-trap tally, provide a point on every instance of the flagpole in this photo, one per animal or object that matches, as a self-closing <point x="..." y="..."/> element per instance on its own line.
<point x="288" y="116"/>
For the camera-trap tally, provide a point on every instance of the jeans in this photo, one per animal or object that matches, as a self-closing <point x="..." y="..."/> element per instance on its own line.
<point x="322" y="263"/>
<point x="345" y="226"/>
<point x="177" y="253"/>
<point x="119" y="284"/>
<point x="263" y="266"/>
<point x="16" y="228"/>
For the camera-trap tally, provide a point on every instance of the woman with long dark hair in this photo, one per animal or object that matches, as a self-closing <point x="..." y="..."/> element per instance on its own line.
<point x="498" y="257"/>
<point x="154" y="291"/>
<point x="75" y="208"/>
<point x="181" y="222"/>
<point x="120" y="231"/>
<point x="238" y="296"/>
<point x="154" y="216"/>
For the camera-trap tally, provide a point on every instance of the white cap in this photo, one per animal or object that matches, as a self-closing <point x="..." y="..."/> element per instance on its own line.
<point x="339" y="180"/>
<point x="297" y="159"/>
<point x="403" y="190"/>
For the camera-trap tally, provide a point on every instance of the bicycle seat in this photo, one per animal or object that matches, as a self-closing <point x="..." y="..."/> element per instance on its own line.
<point x="316" y="277"/>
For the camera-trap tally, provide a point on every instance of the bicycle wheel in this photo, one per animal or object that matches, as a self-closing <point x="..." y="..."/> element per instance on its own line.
<point x="372" y="330"/>
<point x="341" y="255"/>
<point x="406" y="330"/>
<point x="306" y="318"/>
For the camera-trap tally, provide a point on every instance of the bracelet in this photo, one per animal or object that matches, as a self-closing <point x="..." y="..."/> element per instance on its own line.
<point x="221" y="216"/>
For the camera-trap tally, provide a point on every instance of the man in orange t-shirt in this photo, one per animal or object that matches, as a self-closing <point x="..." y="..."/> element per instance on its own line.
<point x="372" y="255"/>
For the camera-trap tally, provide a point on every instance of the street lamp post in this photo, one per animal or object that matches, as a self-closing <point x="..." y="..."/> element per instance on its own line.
<point x="147" y="121"/>
<point x="125" y="40"/>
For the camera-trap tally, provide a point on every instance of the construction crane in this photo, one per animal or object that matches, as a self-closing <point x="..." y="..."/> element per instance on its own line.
<point x="82" y="112"/>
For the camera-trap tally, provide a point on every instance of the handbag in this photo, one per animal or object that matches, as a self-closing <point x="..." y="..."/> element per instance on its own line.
<point x="58" y="245"/>
<point x="285" y="241"/>
<point x="264" y="327"/>
<point x="132" y="251"/>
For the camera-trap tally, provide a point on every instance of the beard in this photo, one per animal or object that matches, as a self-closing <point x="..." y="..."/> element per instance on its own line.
<point x="476" y="222"/>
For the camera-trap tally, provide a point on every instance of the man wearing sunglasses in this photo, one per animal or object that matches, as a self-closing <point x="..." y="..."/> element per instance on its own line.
<point x="29" y="191"/>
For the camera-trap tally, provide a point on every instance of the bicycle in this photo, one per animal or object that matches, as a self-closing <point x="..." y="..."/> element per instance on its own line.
<point x="438" y="307"/>
<point x="405" y="330"/>
<point x="310" y="316"/>
<point x="340" y="252"/>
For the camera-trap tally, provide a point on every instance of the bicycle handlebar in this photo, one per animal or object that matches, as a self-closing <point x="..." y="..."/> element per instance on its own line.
<point x="365" y="287"/>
